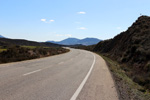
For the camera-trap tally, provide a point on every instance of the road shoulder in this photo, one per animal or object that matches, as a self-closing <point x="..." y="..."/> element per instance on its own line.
<point x="100" y="84"/>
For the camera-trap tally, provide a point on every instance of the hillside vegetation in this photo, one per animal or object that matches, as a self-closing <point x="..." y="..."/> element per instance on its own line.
<point x="132" y="50"/>
<point x="12" y="50"/>
<point x="19" y="53"/>
<point x="21" y="42"/>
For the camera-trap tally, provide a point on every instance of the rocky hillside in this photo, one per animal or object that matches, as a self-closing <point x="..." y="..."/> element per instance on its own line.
<point x="132" y="49"/>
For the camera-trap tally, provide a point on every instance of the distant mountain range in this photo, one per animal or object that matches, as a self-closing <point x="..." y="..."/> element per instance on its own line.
<point x="2" y="36"/>
<point x="75" y="41"/>
<point x="68" y="41"/>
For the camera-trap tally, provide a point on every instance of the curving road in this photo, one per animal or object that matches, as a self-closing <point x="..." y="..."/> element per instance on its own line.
<point x="77" y="75"/>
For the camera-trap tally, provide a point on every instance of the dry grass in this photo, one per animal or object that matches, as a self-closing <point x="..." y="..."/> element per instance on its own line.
<point x="1" y="50"/>
<point x="17" y="53"/>
<point x="127" y="88"/>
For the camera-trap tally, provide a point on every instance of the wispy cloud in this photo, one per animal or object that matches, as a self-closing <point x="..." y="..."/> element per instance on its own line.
<point x="81" y="12"/>
<point x="44" y="20"/>
<point x="52" y="20"/>
<point x="82" y="28"/>
<point x="64" y="35"/>
<point x="68" y="35"/>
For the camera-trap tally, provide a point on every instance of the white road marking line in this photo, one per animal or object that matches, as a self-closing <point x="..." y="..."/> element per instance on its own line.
<point x="32" y="72"/>
<point x="75" y="95"/>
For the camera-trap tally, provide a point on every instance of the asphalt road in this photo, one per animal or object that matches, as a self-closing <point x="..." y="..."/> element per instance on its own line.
<point x="62" y="77"/>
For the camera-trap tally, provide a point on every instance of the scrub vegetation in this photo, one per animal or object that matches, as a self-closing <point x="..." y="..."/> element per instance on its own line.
<point x="128" y="56"/>
<point x="25" y="50"/>
<point x="132" y="50"/>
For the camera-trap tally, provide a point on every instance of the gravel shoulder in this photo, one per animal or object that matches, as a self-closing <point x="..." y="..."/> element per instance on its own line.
<point x="126" y="88"/>
<point x="100" y="84"/>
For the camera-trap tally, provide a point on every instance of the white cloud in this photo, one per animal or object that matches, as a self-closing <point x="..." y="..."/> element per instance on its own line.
<point x="82" y="28"/>
<point x="68" y="35"/>
<point x="51" y="20"/>
<point x="81" y="12"/>
<point x="43" y="20"/>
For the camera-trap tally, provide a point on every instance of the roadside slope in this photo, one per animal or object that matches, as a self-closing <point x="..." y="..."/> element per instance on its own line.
<point x="132" y="49"/>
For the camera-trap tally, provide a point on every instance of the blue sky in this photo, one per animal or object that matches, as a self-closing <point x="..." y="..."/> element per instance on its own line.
<point x="42" y="20"/>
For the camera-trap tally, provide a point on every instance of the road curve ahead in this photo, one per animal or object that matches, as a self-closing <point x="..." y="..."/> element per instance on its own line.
<point x="77" y="75"/>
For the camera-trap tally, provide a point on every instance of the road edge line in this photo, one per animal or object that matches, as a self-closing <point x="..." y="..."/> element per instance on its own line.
<point x="75" y="95"/>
